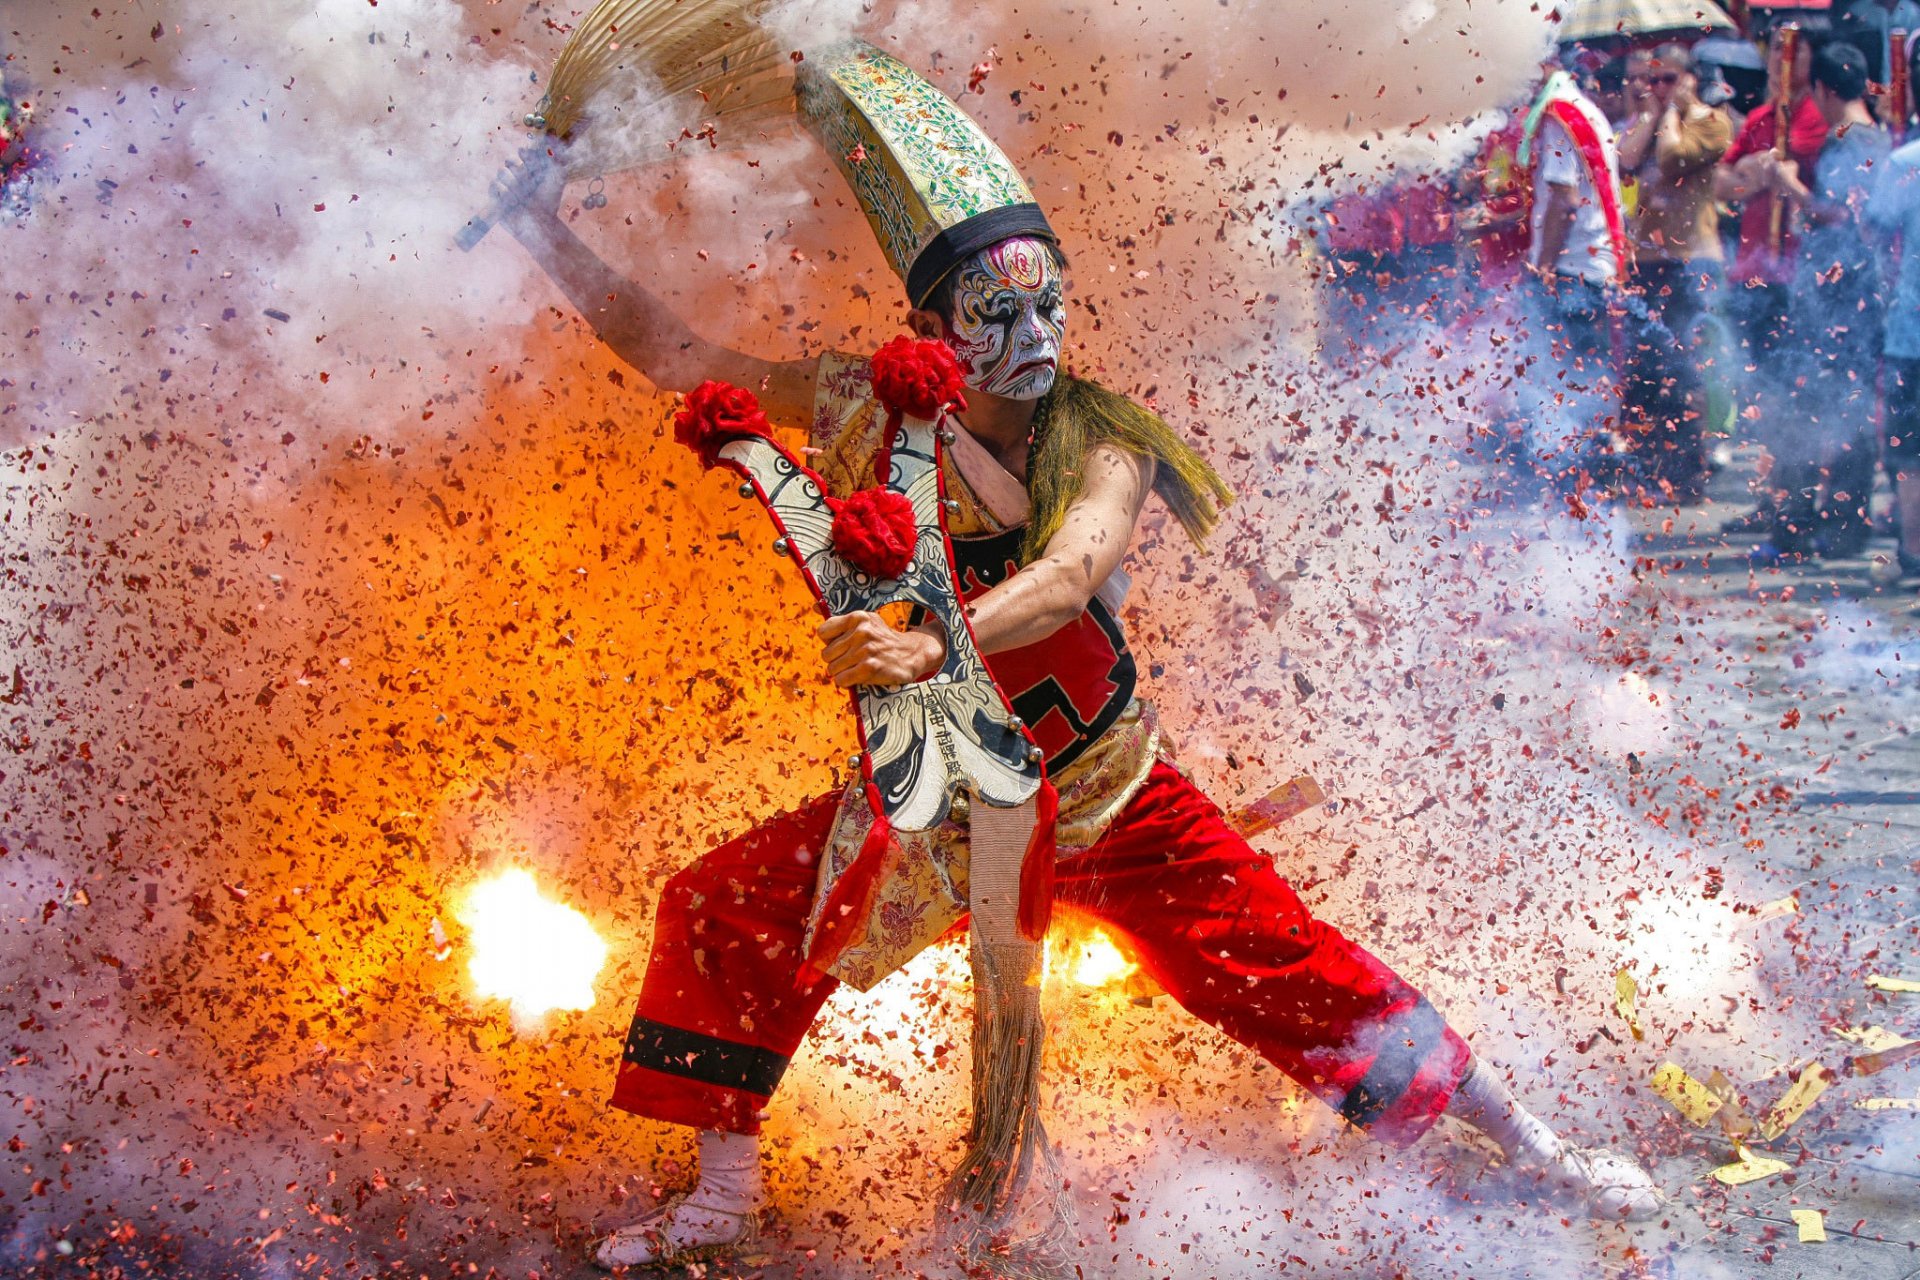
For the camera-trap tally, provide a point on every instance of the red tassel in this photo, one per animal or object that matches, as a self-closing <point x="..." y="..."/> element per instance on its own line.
<point x="916" y="376"/>
<point x="850" y="904"/>
<point x="1036" y="867"/>
<point x="714" y="413"/>
<point x="883" y="457"/>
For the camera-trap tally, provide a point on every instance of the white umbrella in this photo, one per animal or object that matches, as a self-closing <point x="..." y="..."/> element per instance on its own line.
<point x="1600" y="19"/>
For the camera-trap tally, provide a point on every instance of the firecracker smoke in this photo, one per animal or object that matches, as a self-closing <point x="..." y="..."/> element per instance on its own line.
<point x="345" y="570"/>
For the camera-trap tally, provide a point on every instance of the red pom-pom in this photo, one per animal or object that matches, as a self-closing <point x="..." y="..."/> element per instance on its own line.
<point x="916" y="377"/>
<point x="874" y="532"/>
<point x="714" y="413"/>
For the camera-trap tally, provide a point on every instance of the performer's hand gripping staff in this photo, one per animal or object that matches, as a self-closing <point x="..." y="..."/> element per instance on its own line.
<point x="638" y="78"/>
<point x="535" y="171"/>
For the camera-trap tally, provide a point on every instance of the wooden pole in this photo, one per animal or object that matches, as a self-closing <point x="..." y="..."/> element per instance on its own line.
<point x="1787" y="45"/>
<point x="1899" y="86"/>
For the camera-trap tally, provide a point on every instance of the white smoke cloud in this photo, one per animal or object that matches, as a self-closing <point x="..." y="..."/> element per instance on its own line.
<point x="257" y="213"/>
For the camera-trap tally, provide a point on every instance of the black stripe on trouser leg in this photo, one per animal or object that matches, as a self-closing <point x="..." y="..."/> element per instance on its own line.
<point x="707" y="1059"/>
<point x="1404" y="1049"/>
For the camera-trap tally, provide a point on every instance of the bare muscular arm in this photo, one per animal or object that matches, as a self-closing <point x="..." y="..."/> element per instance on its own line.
<point x="860" y="648"/>
<point x="637" y="326"/>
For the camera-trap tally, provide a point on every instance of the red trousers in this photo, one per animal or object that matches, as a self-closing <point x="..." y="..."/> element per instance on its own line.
<point x="722" y="1010"/>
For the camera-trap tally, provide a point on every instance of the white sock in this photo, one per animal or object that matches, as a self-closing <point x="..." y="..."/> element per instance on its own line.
<point x="714" y="1213"/>
<point x="1484" y="1101"/>
<point x="1609" y="1186"/>
<point x="729" y="1172"/>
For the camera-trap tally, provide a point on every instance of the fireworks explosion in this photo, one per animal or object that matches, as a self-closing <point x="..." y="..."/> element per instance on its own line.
<point x="344" y="569"/>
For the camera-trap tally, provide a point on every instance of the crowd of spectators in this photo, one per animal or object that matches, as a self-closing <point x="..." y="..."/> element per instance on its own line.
<point x="1701" y="265"/>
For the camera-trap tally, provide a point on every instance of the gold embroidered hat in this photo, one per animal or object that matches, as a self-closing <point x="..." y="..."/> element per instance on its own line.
<point x="934" y="187"/>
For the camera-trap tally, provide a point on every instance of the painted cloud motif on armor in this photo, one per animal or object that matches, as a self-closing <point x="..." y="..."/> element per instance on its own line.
<point x="925" y="741"/>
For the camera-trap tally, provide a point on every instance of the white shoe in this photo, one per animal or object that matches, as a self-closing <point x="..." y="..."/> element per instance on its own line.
<point x="1885" y="570"/>
<point x="676" y="1233"/>
<point x="1607" y="1185"/>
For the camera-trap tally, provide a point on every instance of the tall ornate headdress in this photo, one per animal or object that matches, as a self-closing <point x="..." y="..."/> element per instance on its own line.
<point x="934" y="187"/>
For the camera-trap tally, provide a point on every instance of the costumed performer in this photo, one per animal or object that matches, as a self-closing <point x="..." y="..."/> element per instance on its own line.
<point x="1047" y="477"/>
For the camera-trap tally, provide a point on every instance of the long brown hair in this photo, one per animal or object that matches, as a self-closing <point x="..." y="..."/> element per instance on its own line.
<point x="1075" y="416"/>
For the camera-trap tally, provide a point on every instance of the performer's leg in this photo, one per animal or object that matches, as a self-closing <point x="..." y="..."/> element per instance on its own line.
<point x="723" y="1008"/>
<point x="1228" y="938"/>
<point x="1213" y="923"/>
<point x="724" y="1004"/>
<point x="1610" y="1185"/>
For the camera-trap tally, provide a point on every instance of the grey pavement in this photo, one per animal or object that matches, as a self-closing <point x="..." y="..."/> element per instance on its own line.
<point x="1818" y="641"/>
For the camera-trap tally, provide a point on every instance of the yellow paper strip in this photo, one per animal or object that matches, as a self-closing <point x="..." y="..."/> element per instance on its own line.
<point x="1812" y="1224"/>
<point x="1749" y="1168"/>
<point x="1880" y="982"/>
<point x="1775" y="909"/>
<point x="1813" y="1082"/>
<point x="1287" y="800"/>
<point x="1868" y="1064"/>
<point x="1872" y="1039"/>
<point x="1625" y="992"/>
<point x="1685" y="1094"/>
<point x="1888" y="1104"/>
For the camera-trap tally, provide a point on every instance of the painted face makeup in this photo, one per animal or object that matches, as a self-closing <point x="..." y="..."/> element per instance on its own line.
<point x="1009" y="319"/>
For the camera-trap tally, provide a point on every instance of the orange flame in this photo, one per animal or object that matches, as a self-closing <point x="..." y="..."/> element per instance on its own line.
<point x="1092" y="959"/>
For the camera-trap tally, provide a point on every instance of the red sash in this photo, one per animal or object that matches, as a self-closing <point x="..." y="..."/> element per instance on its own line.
<point x="1606" y="188"/>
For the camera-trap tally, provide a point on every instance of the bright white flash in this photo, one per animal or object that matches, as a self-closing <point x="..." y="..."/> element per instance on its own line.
<point x="532" y="951"/>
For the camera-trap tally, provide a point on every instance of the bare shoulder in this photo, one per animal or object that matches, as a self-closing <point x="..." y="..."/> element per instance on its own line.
<point x="1119" y="472"/>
